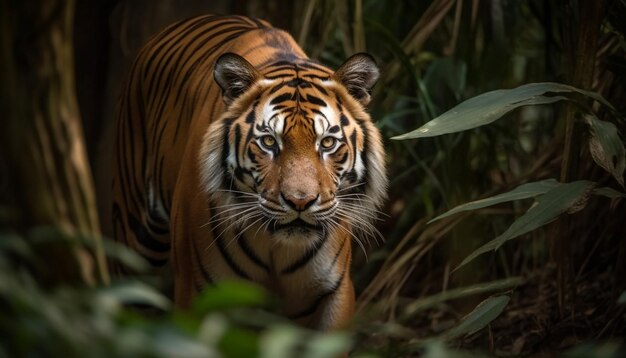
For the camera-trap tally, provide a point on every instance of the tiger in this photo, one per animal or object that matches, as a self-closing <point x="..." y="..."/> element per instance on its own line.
<point x="239" y="158"/>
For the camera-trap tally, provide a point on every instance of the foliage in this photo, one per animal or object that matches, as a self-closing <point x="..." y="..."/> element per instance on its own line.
<point x="131" y="319"/>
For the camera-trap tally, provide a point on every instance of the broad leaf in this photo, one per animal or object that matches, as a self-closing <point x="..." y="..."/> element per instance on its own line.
<point x="607" y="148"/>
<point x="230" y="294"/>
<point x="136" y="293"/>
<point x="523" y="191"/>
<point x="548" y="207"/>
<point x="488" y="107"/>
<point x="482" y="315"/>
<point x="328" y="345"/>
<point x="430" y="301"/>
<point x="280" y="342"/>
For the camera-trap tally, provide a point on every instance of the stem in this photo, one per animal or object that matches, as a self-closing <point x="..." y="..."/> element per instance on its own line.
<point x="581" y="30"/>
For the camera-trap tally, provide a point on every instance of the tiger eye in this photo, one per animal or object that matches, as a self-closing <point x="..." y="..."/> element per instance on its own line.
<point x="328" y="142"/>
<point x="268" y="141"/>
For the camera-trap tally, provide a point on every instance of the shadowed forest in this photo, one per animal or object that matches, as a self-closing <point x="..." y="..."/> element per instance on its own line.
<point x="503" y="233"/>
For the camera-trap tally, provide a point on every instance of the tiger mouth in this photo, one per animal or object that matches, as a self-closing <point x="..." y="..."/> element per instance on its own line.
<point x="294" y="224"/>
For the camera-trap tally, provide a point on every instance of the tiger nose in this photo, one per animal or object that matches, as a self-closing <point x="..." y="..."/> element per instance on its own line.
<point x="299" y="201"/>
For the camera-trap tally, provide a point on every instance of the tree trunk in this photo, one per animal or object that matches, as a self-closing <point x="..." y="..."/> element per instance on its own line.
<point x="42" y="139"/>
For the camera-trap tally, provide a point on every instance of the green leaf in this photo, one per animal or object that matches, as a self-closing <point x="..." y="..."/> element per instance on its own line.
<point x="230" y="294"/>
<point x="482" y="315"/>
<point x="523" y="191"/>
<point x="430" y="301"/>
<point x="436" y="349"/>
<point x="280" y="342"/>
<point x="609" y="193"/>
<point x="489" y="107"/>
<point x="125" y="255"/>
<point x="136" y="293"/>
<point x="547" y="208"/>
<point x="239" y="343"/>
<point x="622" y="298"/>
<point x="328" y="345"/>
<point x="606" y="147"/>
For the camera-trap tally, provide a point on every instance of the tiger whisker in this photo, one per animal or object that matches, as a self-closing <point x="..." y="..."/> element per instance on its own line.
<point x="362" y="226"/>
<point x="235" y="222"/>
<point x="366" y="212"/>
<point x="238" y="235"/>
<point x="350" y="187"/>
<point x="218" y="219"/>
<point x="350" y="233"/>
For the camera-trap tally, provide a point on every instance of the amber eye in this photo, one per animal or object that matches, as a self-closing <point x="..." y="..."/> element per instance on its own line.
<point x="268" y="141"/>
<point x="328" y="142"/>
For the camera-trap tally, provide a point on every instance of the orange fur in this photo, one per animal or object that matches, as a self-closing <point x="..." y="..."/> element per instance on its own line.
<point x="238" y="157"/>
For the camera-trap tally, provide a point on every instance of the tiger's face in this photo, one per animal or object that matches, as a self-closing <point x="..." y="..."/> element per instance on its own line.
<point x="295" y="153"/>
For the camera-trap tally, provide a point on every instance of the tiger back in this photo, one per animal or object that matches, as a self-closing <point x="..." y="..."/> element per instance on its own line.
<point x="238" y="157"/>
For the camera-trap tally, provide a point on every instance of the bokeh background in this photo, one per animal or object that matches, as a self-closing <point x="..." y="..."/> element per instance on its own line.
<point x="64" y="62"/>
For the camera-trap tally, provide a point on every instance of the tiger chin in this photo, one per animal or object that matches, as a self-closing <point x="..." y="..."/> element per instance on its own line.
<point x="238" y="157"/>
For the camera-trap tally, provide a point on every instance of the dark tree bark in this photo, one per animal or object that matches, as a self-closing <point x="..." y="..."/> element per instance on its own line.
<point x="42" y="140"/>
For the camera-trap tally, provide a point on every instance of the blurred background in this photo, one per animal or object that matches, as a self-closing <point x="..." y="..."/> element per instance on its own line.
<point x="64" y="62"/>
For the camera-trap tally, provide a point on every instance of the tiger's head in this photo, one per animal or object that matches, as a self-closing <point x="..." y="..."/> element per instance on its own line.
<point x="295" y="152"/>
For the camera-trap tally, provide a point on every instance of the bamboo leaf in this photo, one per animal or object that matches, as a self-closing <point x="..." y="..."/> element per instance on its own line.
<point x="609" y="193"/>
<point x="523" y="191"/>
<point x="482" y="315"/>
<point x="489" y="107"/>
<point x="622" y="298"/>
<point x="430" y="301"/>
<point x="548" y="207"/>
<point x="606" y="147"/>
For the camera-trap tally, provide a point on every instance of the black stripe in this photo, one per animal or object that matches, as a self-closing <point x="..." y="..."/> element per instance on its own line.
<point x="321" y="89"/>
<point x="316" y="111"/>
<point x="316" y="100"/>
<point x="313" y="66"/>
<point x="337" y="255"/>
<point x="287" y="67"/>
<point x="344" y="158"/>
<point x="277" y="87"/>
<point x="313" y="307"/>
<point x="229" y="259"/>
<point x="282" y="98"/>
<point x="144" y="238"/>
<point x="237" y="142"/>
<point x="344" y="120"/>
<point x="322" y="78"/>
<point x="298" y="82"/>
<point x="304" y="259"/>
<point x="354" y="147"/>
<point x="252" y="156"/>
<point x="243" y="243"/>
<point x="365" y="147"/>
<point x="205" y="274"/>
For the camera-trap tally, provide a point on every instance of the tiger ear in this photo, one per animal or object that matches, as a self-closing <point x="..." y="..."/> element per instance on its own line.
<point x="234" y="75"/>
<point x="358" y="74"/>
